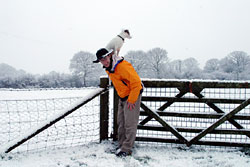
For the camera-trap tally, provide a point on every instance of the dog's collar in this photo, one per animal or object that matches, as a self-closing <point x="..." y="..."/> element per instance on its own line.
<point x="120" y="37"/>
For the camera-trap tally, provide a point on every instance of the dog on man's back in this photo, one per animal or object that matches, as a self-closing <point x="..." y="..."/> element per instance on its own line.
<point x="117" y="42"/>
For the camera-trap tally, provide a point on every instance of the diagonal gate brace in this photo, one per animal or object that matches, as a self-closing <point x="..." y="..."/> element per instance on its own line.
<point x="219" y="122"/>
<point x="163" y="123"/>
<point x="232" y="121"/>
<point x="183" y="90"/>
<point x="164" y="106"/>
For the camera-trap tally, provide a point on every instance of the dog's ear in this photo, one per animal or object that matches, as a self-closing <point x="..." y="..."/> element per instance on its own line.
<point x="127" y="32"/>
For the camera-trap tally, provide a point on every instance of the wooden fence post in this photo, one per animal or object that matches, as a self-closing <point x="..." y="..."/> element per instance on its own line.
<point x="115" y="107"/>
<point x="104" y="110"/>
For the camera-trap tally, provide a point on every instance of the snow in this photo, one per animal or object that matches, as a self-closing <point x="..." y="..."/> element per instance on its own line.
<point x="27" y="94"/>
<point x="94" y="155"/>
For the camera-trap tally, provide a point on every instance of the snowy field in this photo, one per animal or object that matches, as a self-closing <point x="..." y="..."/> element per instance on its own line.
<point x="95" y="154"/>
<point x="19" y="94"/>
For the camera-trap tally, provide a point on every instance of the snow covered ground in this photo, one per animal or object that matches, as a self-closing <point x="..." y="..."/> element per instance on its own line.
<point x="24" y="94"/>
<point x="94" y="155"/>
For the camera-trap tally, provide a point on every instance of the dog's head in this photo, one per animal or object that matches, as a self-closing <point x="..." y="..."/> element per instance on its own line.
<point x="125" y="33"/>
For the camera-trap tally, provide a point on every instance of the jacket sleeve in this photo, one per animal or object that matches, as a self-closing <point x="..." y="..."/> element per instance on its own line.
<point x="134" y="82"/>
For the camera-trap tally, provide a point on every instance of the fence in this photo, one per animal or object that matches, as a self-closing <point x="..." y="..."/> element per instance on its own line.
<point x="172" y="111"/>
<point x="39" y="124"/>
<point x="193" y="113"/>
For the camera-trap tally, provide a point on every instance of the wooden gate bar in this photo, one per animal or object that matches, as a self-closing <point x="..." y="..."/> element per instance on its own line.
<point x="194" y="100"/>
<point x="197" y="115"/>
<point x="164" y="123"/>
<point x="195" y="130"/>
<point x="164" y="106"/>
<point x="233" y="122"/>
<point x="176" y="141"/>
<point x="218" y="110"/>
<point x="219" y="122"/>
<point x="184" y="88"/>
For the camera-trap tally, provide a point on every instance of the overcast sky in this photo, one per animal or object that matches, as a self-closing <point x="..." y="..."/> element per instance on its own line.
<point x="40" y="36"/>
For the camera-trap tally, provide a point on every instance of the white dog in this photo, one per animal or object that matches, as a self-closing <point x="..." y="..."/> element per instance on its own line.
<point x="115" y="44"/>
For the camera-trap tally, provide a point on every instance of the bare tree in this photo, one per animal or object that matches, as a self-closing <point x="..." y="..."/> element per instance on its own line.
<point x="175" y="68"/>
<point x="82" y="66"/>
<point x="212" y="65"/>
<point x="139" y="61"/>
<point x="157" y="59"/>
<point x="236" y="62"/>
<point x="190" y="69"/>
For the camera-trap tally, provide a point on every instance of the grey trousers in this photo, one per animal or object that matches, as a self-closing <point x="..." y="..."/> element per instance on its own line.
<point x="127" y="121"/>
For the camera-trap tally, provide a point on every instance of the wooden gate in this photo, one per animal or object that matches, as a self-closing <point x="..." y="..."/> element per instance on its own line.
<point x="193" y="113"/>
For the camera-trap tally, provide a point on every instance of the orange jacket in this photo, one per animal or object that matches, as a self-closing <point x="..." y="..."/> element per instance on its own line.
<point x="126" y="81"/>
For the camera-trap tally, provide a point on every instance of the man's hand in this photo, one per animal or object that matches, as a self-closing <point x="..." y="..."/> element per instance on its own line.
<point x="130" y="105"/>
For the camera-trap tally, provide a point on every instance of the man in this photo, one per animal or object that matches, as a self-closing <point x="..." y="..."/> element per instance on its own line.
<point x="129" y="88"/>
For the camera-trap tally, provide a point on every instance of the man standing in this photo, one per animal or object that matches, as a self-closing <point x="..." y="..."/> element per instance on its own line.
<point x="129" y="88"/>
